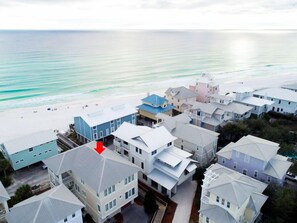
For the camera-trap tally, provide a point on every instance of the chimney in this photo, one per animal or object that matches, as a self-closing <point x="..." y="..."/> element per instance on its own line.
<point x="99" y="147"/>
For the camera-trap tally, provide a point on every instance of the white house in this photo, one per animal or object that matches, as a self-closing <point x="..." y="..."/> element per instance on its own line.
<point x="57" y="205"/>
<point x="256" y="158"/>
<point x="163" y="166"/>
<point x="204" y="87"/>
<point x="100" y="178"/>
<point x="285" y="101"/>
<point x="202" y="143"/>
<point x="244" y="95"/>
<point x="230" y="197"/>
<point x="179" y="97"/>
<point x="4" y="197"/>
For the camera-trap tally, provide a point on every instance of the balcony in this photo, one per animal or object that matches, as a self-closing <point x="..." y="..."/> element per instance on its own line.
<point x="2" y="213"/>
<point x="67" y="180"/>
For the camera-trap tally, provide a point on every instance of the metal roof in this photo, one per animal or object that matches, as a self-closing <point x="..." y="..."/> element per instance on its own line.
<point x="181" y="93"/>
<point x="99" y="171"/>
<point x="148" y="139"/>
<point x="108" y="114"/>
<point x="290" y="86"/>
<point x="28" y="141"/>
<point x="278" y="93"/>
<point x="277" y="167"/>
<point x="49" y="207"/>
<point x="256" y="101"/>
<point x="155" y="100"/>
<point x="163" y="179"/>
<point x="4" y="196"/>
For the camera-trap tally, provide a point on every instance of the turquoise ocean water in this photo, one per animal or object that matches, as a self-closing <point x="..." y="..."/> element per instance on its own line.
<point x="43" y="67"/>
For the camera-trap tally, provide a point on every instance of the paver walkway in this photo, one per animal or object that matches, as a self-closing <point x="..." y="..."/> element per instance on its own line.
<point x="184" y="199"/>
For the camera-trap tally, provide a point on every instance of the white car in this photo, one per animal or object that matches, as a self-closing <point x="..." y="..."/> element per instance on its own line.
<point x="291" y="176"/>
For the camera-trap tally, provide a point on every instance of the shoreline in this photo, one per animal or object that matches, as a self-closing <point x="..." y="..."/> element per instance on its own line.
<point x="21" y="121"/>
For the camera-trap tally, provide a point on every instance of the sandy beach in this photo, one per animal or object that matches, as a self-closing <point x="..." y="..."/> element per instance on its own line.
<point x="21" y="121"/>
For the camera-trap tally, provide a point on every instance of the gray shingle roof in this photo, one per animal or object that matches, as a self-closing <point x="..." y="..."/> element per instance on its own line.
<point x="49" y="207"/>
<point x="99" y="171"/>
<point x="181" y="93"/>
<point x="28" y="141"/>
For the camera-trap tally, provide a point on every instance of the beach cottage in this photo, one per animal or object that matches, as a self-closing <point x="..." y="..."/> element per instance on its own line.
<point x="154" y="104"/>
<point x="285" y="101"/>
<point x="100" y="124"/>
<point x="255" y="157"/>
<point x="230" y="197"/>
<point x="57" y="205"/>
<point x="102" y="180"/>
<point x="163" y="166"/>
<point x="30" y="149"/>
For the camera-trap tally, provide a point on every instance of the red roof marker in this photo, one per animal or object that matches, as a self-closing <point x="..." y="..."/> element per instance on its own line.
<point x="99" y="147"/>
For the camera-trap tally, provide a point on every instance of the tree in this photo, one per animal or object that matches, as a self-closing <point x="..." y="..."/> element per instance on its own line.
<point x="4" y="166"/>
<point x="149" y="203"/>
<point x="22" y="193"/>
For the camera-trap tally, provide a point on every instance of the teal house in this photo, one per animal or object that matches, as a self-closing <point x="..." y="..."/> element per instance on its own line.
<point x="30" y="149"/>
<point x="97" y="125"/>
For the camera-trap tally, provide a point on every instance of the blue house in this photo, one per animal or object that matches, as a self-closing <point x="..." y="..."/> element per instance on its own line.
<point x="255" y="157"/>
<point x="30" y="149"/>
<point x="154" y="104"/>
<point x="100" y="124"/>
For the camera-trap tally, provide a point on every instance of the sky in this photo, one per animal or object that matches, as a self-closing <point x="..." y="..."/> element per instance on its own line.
<point x="148" y="14"/>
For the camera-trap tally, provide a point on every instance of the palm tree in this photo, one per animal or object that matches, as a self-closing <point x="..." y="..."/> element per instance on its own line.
<point x="4" y="166"/>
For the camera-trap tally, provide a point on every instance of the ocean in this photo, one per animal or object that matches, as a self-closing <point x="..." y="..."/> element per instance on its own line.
<point x="45" y="67"/>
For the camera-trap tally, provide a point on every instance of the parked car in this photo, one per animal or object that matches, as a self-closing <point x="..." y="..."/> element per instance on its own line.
<point x="291" y="176"/>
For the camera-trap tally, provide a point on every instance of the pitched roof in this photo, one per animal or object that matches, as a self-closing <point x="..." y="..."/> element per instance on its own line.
<point x="170" y="122"/>
<point x="155" y="100"/>
<point x="277" y="167"/>
<point x="181" y="93"/>
<point x="278" y="93"/>
<point x="155" y="110"/>
<point x="49" y="207"/>
<point x="207" y="108"/>
<point x="256" y="101"/>
<point x="99" y="171"/>
<point x="108" y="114"/>
<point x="234" y="107"/>
<point x="256" y="147"/>
<point x="290" y="86"/>
<point x="234" y="187"/>
<point x="28" y="141"/>
<point x="4" y="196"/>
<point x="216" y="213"/>
<point x="148" y="139"/>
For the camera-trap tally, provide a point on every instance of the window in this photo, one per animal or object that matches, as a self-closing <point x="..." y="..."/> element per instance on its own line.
<point x="154" y="152"/>
<point x="129" y="179"/>
<point x="107" y="132"/>
<point x="228" y="204"/>
<point x="82" y="181"/>
<point x="244" y="171"/>
<point x="144" y="176"/>
<point x="268" y="179"/>
<point x="234" y="165"/>
<point x="95" y="136"/>
<point x="136" y="149"/>
<point x="109" y="190"/>
<point x="182" y="147"/>
<point x="207" y="220"/>
<point x="99" y="209"/>
<point x="218" y="199"/>
<point x="65" y="220"/>
<point x="289" y="102"/>
<point x="246" y="158"/>
<point x="223" y="201"/>
<point x="73" y="215"/>
<point x="169" y="144"/>
<point x="256" y="173"/>
<point x="142" y="165"/>
<point x="129" y="193"/>
<point x="30" y="149"/>
<point x="101" y="134"/>
<point x="140" y="151"/>
<point x="279" y="101"/>
<point x="223" y="160"/>
<point x="125" y="143"/>
<point x="132" y="159"/>
<point x="237" y="154"/>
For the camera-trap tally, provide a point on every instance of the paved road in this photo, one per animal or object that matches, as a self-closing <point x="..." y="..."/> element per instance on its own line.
<point x="184" y="199"/>
<point x="32" y="175"/>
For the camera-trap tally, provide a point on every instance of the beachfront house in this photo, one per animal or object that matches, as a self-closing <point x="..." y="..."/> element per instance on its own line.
<point x="179" y="97"/>
<point x="204" y="87"/>
<point x="57" y="205"/>
<point x="285" y="101"/>
<point x="100" y="124"/>
<point x="163" y="166"/>
<point x="4" y="197"/>
<point x="30" y="149"/>
<point x="200" y="142"/>
<point x="102" y="180"/>
<point x="292" y="87"/>
<point x="244" y="95"/>
<point x="255" y="157"/>
<point x="206" y="115"/>
<point x="230" y="197"/>
<point x="152" y="105"/>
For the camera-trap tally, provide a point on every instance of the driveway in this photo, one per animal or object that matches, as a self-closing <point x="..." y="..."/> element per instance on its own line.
<point x="32" y="175"/>
<point x="184" y="199"/>
<point x="134" y="214"/>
